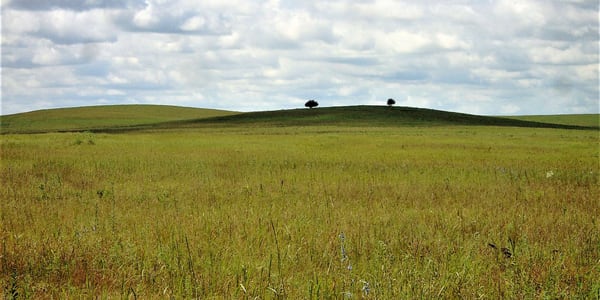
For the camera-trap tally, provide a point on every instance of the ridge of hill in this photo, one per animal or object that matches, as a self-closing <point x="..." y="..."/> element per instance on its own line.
<point x="120" y="118"/>
<point x="361" y="115"/>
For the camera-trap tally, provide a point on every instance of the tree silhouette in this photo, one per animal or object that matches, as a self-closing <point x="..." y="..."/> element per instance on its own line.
<point x="311" y="103"/>
<point x="391" y="102"/>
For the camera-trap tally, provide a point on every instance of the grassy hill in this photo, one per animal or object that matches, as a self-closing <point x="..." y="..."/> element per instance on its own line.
<point x="100" y="117"/>
<point x="139" y="117"/>
<point x="592" y="120"/>
<point x="360" y="116"/>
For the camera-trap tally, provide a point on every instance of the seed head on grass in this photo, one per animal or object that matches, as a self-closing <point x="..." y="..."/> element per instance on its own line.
<point x="365" y="288"/>
<point x="342" y="247"/>
<point x="343" y="251"/>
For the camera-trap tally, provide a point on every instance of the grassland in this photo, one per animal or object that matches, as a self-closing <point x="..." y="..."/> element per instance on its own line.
<point x="122" y="118"/>
<point x="350" y="202"/>
<point x="100" y="117"/>
<point x="591" y="120"/>
<point x="363" y="115"/>
<point x="301" y="212"/>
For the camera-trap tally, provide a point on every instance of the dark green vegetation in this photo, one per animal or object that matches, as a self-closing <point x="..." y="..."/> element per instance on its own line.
<point x="100" y="117"/>
<point x="138" y="117"/>
<point x="370" y="116"/>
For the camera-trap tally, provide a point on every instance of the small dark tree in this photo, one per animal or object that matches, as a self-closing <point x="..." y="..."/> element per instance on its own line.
<point x="391" y="102"/>
<point x="311" y="103"/>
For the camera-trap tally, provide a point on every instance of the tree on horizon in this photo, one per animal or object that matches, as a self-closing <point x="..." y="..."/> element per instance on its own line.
<point x="311" y="103"/>
<point x="391" y="102"/>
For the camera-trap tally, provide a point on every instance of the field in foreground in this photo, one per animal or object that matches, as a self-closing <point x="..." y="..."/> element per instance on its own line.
<point x="302" y="212"/>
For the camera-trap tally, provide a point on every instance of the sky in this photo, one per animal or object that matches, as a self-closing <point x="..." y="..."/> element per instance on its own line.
<point x="473" y="56"/>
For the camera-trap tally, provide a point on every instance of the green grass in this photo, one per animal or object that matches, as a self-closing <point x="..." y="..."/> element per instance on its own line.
<point x="591" y="120"/>
<point x="122" y="118"/>
<point x="260" y="212"/>
<point x="367" y="116"/>
<point x="98" y="117"/>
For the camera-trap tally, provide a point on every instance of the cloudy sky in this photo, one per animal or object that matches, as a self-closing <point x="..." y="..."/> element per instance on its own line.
<point x="478" y="56"/>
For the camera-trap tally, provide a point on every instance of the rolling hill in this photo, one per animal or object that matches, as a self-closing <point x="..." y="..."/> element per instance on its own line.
<point x="121" y="118"/>
<point x="101" y="117"/>
<point x="359" y="116"/>
<point x="592" y="120"/>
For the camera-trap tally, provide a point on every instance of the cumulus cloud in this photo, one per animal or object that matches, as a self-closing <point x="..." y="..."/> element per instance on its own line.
<point x="58" y="26"/>
<point x="496" y="57"/>
<point x="179" y="17"/>
<point x="77" y="5"/>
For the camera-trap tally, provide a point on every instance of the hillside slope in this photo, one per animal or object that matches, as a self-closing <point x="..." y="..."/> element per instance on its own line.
<point x="101" y="117"/>
<point x="592" y="120"/>
<point x="361" y="116"/>
<point x="120" y="118"/>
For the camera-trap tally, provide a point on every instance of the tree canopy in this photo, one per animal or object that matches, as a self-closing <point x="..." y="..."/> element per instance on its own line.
<point x="311" y="103"/>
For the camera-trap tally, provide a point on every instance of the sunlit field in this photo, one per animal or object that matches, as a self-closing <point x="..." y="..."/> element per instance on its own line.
<point x="302" y="213"/>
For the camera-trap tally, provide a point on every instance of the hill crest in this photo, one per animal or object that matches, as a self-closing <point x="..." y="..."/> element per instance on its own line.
<point x="120" y="118"/>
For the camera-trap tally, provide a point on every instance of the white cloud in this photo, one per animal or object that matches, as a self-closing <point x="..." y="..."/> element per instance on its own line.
<point x="402" y="41"/>
<point x="567" y="55"/>
<point x="524" y="12"/>
<point x="472" y="56"/>
<point x="194" y="23"/>
<point x="389" y="9"/>
<point x="46" y="56"/>
<point x="146" y="17"/>
<point x="60" y="26"/>
<point x="175" y="17"/>
<point x="451" y="42"/>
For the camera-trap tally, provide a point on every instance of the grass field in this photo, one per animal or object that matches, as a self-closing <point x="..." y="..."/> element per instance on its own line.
<point x="99" y="117"/>
<point x="592" y="120"/>
<point x="121" y="118"/>
<point x="257" y="210"/>
<point x="302" y="212"/>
